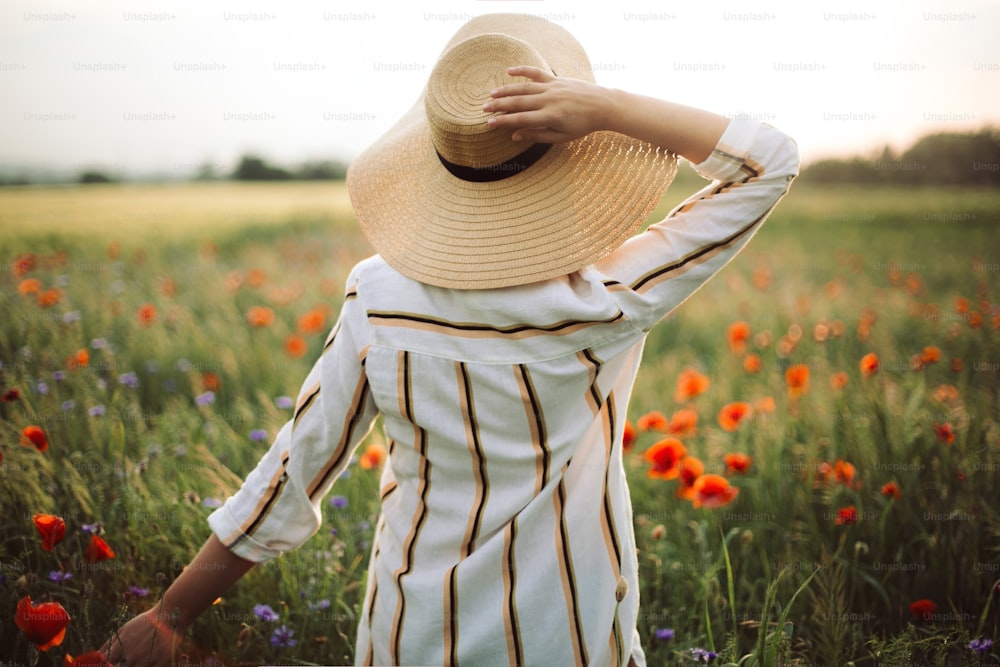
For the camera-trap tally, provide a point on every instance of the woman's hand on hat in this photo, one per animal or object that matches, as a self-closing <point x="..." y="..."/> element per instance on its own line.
<point x="547" y="109"/>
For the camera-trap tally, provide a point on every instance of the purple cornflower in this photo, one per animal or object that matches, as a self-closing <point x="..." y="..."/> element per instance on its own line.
<point x="60" y="577"/>
<point x="981" y="645"/>
<point x="96" y="411"/>
<point x="322" y="604"/>
<point x="138" y="591"/>
<point x="284" y="402"/>
<point x="258" y="434"/>
<point x="265" y="613"/>
<point x="68" y="405"/>
<point x="282" y="637"/>
<point x="100" y="344"/>
<point x="42" y="388"/>
<point x="91" y="528"/>
<point x="664" y="634"/>
<point x="211" y="502"/>
<point x="340" y="502"/>
<point x="701" y="655"/>
<point x="205" y="399"/>
<point x="58" y="376"/>
<point x="130" y="380"/>
<point x="71" y="316"/>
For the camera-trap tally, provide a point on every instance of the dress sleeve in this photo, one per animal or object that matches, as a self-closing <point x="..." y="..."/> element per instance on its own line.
<point x="278" y="506"/>
<point x="752" y="167"/>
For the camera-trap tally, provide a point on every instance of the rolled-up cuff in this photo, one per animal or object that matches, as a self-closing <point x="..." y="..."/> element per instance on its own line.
<point x="228" y="530"/>
<point x="729" y="154"/>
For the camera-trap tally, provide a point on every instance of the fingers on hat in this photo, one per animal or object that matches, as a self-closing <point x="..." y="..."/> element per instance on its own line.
<point x="530" y="71"/>
<point x="512" y="90"/>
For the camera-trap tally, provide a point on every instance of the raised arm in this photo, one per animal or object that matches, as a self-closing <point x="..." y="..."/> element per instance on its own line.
<point x="751" y="165"/>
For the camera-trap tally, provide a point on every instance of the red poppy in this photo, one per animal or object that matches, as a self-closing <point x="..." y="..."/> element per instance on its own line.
<point x="732" y="414"/>
<point x="838" y="380"/>
<point x="946" y="393"/>
<point x="690" y="383"/>
<point x="92" y="659"/>
<point x="957" y="365"/>
<point x="869" y="364"/>
<point x="752" y="363"/>
<point x="43" y="624"/>
<point x="260" y="316"/>
<point x="29" y="286"/>
<point x="923" y="609"/>
<point x="98" y="550"/>
<point x="691" y="468"/>
<point x="847" y="516"/>
<point x="737" y="462"/>
<point x="683" y="422"/>
<point x="844" y="471"/>
<point x="211" y="381"/>
<point x="652" y="421"/>
<point x="761" y="278"/>
<point x="931" y="354"/>
<point x="312" y="322"/>
<point x="11" y="395"/>
<point x="24" y="263"/>
<point x="256" y="277"/>
<point x="797" y="379"/>
<point x="628" y="436"/>
<point x="945" y="433"/>
<point x="713" y="491"/>
<point x="373" y="457"/>
<point x="737" y="335"/>
<point x="891" y="490"/>
<point x="79" y="359"/>
<point x="49" y="297"/>
<point x="52" y="529"/>
<point x="665" y="457"/>
<point x="295" y="346"/>
<point x="146" y="315"/>
<point x="961" y="305"/>
<point x="34" y="435"/>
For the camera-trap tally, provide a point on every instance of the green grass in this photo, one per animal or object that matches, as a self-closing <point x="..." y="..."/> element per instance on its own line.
<point x="767" y="579"/>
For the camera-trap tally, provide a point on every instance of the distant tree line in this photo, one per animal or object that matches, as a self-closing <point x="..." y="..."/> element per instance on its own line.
<point x="946" y="158"/>
<point x="255" y="168"/>
<point x="251" y="167"/>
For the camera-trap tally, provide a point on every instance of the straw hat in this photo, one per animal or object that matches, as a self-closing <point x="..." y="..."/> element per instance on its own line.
<point x="449" y="202"/>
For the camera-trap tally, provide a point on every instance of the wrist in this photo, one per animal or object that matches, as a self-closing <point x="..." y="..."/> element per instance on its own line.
<point x="614" y="117"/>
<point x="168" y="621"/>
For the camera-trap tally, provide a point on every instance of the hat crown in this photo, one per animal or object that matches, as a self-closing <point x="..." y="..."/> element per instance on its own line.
<point x="459" y="85"/>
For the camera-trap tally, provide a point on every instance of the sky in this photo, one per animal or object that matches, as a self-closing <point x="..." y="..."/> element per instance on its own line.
<point x="165" y="87"/>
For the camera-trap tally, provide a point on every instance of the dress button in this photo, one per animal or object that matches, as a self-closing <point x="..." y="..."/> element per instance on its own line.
<point x="621" y="590"/>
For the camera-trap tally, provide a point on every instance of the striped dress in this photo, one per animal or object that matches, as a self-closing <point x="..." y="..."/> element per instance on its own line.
<point x="505" y="536"/>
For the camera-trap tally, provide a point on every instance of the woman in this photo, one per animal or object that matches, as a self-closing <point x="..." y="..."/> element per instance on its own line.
<point x="498" y="332"/>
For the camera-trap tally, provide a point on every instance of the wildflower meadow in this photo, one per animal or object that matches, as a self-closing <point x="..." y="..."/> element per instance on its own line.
<point x="813" y="443"/>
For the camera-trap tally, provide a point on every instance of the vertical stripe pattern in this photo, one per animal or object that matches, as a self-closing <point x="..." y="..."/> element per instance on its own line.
<point x="405" y="393"/>
<point x="536" y="425"/>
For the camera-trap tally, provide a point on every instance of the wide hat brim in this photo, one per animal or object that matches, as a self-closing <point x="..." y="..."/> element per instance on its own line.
<point x="578" y="203"/>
